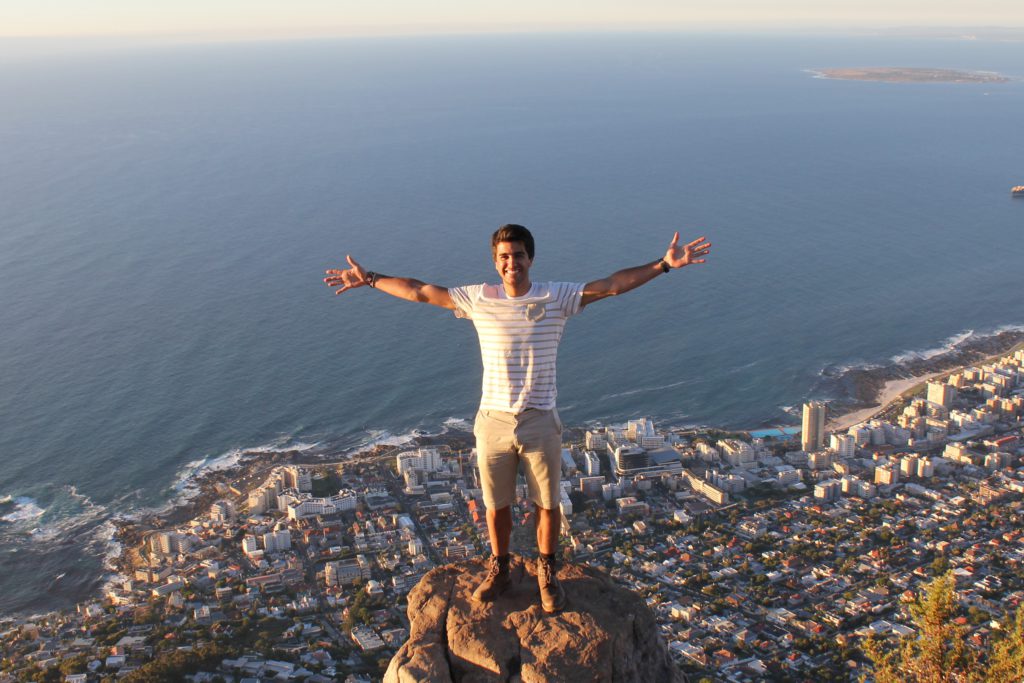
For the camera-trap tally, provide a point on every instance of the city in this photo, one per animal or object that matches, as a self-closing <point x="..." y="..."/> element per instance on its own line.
<point x="764" y="555"/>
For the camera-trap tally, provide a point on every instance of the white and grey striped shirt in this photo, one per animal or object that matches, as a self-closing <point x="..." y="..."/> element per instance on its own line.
<point x="518" y="340"/>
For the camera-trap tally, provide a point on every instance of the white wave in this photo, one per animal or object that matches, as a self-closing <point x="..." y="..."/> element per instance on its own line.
<point x="838" y="370"/>
<point x="745" y="366"/>
<point x="25" y="509"/>
<point x="4" y="500"/>
<point x="106" y="536"/>
<point x="69" y="526"/>
<point x="643" y="390"/>
<point x="385" y="438"/>
<point x="85" y="500"/>
<point x="186" y="483"/>
<point x="950" y="344"/>
<point x="458" y="423"/>
<point x="791" y="410"/>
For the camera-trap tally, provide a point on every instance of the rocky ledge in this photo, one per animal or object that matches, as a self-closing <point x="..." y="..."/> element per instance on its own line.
<point x="605" y="634"/>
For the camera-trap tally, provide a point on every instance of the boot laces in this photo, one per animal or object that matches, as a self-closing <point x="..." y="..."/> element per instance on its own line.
<point x="545" y="571"/>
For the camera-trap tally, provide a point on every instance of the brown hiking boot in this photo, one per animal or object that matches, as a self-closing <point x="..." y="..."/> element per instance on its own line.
<point x="552" y="595"/>
<point x="495" y="583"/>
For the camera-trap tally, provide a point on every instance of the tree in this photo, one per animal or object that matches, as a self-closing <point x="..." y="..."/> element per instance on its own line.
<point x="74" y="664"/>
<point x="937" y="653"/>
<point x="173" y="666"/>
<point x="1006" y="662"/>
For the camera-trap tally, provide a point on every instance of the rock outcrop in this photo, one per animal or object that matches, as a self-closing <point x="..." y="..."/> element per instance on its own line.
<point x="605" y="634"/>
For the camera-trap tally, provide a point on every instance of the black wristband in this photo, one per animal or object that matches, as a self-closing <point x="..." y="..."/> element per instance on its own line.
<point x="371" y="278"/>
<point x="665" y="267"/>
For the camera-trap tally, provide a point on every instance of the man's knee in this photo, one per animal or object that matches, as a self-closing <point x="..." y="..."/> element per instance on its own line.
<point x="499" y="512"/>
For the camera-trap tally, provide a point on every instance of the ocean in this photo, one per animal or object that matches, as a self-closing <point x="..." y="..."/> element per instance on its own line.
<point x="166" y="215"/>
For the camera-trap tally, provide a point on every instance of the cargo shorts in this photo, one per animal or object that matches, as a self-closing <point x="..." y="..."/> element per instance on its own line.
<point x="504" y="440"/>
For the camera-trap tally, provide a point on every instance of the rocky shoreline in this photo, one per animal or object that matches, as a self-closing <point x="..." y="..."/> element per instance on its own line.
<point x="252" y="465"/>
<point x="853" y="389"/>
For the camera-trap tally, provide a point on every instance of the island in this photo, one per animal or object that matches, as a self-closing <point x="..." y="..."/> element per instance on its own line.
<point x="902" y="74"/>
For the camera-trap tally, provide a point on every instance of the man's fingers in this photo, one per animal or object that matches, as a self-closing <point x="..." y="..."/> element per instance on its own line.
<point x="696" y="241"/>
<point x="699" y="260"/>
<point x="352" y="262"/>
<point x="675" y="240"/>
<point x="343" y="289"/>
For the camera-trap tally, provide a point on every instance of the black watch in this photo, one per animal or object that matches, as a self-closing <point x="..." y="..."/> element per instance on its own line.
<point x="665" y="267"/>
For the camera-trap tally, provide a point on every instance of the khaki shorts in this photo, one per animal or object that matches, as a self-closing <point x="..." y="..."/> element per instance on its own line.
<point x="503" y="440"/>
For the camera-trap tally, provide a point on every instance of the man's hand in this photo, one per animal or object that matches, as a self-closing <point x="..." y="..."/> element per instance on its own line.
<point x="691" y="252"/>
<point x="401" y="287"/>
<point x="348" y="278"/>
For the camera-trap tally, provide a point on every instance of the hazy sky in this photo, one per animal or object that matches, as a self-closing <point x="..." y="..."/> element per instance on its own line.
<point x="268" y="18"/>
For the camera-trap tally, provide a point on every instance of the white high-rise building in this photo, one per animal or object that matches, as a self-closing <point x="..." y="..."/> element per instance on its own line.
<point x="261" y="500"/>
<point x="708" y="453"/>
<point x="861" y="434"/>
<point x="422" y="459"/>
<point x="886" y="475"/>
<point x="925" y="467"/>
<point x="591" y="463"/>
<point x="908" y="466"/>
<point x="819" y="460"/>
<point x="222" y="511"/>
<point x="827" y="490"/>
<point x="170" y="542"/>
<point x="276" y="541"/>
<point x="737" y="453"/>
<point x="812" y="438"/>
<point x="941" y="393"/>
<point x="844" y="445"/>
<point x="250" y="546"/>
<point x="298" y="478"/>
<point x="591" y="486"/>
<point x="642" y="433"/>
<point x="596" y="441"/>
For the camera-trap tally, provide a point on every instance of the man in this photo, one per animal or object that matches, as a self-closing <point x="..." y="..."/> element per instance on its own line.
<point x="519" y="324"/>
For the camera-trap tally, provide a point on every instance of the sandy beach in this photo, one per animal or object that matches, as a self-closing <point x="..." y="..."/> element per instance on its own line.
<point x="893" y="389"/>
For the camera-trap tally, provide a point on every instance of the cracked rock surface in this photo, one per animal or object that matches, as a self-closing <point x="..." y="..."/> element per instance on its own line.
<point x="605" y="634"/>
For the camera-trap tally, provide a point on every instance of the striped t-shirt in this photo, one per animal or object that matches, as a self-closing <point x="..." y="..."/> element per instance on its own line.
<point x="518" y="340"/>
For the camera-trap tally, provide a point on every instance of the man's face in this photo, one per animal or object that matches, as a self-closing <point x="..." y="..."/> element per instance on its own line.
<point x="512" y="263"/>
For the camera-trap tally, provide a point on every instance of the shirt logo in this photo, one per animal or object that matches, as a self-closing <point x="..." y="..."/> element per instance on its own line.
<point x="536" y="312"/>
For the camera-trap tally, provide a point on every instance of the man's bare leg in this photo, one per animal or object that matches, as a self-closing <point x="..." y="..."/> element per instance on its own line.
<point x="499" y="529"/>
<point x="549" y="523"/>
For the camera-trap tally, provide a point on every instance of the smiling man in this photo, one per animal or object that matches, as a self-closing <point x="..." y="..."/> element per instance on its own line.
<point x="519" y="324"/>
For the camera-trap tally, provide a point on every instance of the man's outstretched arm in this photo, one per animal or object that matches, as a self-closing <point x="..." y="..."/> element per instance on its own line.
<point x="624" y="280"/>
<point x="402" y="287"/>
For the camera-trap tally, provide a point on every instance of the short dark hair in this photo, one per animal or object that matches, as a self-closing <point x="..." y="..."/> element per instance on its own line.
<point x="512" y="233"/>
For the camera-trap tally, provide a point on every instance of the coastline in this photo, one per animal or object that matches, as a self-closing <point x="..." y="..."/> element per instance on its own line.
<point x="856" y="394"/>
<point x="892" y="391"/>
<point x="898" y="388"/>
<point x="864" y="393"/>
